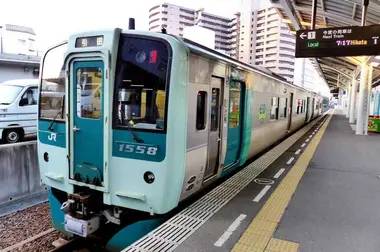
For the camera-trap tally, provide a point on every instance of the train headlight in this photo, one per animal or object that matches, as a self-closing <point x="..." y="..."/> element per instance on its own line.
<point x="149" y="177"/>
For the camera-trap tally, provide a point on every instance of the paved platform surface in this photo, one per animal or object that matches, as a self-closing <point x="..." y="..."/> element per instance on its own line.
<point x="336" y="207"/>
<point x="226" y="227"/>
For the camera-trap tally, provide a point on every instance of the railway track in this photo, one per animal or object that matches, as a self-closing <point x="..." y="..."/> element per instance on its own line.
<point x="79" y="244"/>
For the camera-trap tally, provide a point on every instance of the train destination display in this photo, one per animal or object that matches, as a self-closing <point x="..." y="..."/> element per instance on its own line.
<point x="338" y="41"/>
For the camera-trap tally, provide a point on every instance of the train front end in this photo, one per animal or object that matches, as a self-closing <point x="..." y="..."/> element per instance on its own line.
<point x="112" y="131"/>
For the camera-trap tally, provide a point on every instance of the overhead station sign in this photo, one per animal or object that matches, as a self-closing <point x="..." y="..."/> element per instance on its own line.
<point x="339" y="41"/>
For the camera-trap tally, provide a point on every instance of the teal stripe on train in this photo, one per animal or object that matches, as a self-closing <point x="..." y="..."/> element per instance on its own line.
<point x="247" y="130"/>
<point x="55" y="137"/>
<point x="246" y="123"/>
<point x="153" y="147"/>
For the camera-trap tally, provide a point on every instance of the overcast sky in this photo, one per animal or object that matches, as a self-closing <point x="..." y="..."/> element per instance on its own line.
<point x="53" y="20"/>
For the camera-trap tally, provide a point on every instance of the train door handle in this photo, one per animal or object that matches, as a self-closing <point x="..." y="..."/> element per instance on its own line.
<point x="75" y="129"/>
<point x="218" y="139"/>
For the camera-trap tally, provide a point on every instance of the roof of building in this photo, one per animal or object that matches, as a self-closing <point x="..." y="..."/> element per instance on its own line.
<point x="9" y="57"/>
<point x="18" y="28"/>
<point x="22" y="82"/>
<point x="330" y="13"/>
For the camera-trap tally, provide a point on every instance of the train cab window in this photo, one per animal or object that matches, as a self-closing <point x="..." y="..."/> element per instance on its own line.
<point x="234" y="107"/>
<point x="215" y="109"/>
<point x="201" y="110"/>
<point x="89" y="89"/>
<point x="141" y="84"/>
<point x="283" y="107"/>
<point x="274" y="109"/>
<point x="52" y="89"/>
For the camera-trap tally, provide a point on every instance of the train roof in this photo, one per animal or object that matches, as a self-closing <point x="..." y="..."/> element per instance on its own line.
<point x="208" y="52"/>
<point x="220" y="56"/>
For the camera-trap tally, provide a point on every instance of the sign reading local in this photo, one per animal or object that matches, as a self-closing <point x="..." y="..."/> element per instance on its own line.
<point x="339" y="41"/>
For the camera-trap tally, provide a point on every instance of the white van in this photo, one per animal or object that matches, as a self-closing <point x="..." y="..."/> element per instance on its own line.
<point x="18" y="109"/>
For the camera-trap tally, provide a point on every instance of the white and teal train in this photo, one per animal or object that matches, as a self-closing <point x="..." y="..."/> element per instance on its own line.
<point x="132" y="123"/>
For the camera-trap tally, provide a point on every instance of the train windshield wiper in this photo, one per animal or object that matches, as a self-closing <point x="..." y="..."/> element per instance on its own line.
<point x="60" y="111"/>
<point x="130" y="129"/>
<point x="55" y="118"/>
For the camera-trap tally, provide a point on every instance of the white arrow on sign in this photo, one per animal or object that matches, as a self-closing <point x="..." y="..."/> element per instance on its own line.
<point x="303" y="35"/>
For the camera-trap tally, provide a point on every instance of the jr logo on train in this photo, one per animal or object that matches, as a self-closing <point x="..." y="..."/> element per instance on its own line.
<point x="132" y="123"/>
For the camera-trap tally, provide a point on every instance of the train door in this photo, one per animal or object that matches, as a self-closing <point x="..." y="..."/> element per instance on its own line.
<point x="312" y="108"/>
<point x="308" y="109"/>
<point x="234" y="123"/>
<point x="214" y="139"/>
<point x="87" y="125"/>
<point x="290" y="112"/>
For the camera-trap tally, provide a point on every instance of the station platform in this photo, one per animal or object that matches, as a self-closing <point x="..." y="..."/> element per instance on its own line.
<point x="318" y="190"/>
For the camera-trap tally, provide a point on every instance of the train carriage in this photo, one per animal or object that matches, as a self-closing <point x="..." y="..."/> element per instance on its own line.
<point x="147" y="120"/>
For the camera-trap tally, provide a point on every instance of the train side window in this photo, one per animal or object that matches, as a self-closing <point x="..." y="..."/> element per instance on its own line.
<point x="234" y="107"/>
<point x="274" y="109"/>
<point x="299" y="106"/>
<point x="303" y="106"/>
<point x="283" y="107"/>
<point x="201" y="110"/>
<point x="215" y="109"/>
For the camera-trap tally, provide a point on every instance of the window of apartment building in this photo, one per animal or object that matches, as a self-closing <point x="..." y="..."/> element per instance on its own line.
<point x="287" y="42"/>
<point x="285" y="35"/>
<point x="286" y="49"/>
<point x="250" y="57"/>
<point x="272" y="15"/>
<point x="286" y="56"/>
<point x="270" y="62"/>
<point x="270" y="55"/>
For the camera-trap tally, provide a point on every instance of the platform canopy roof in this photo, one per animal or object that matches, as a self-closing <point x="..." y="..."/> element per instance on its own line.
<point x="337" y="71"/>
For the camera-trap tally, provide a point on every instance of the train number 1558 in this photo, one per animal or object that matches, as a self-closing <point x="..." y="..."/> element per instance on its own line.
<point x="138" y="149"/>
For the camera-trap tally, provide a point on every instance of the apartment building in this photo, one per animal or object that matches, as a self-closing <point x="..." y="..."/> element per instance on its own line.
<point x="265" y="40"/>
<point x="175" y="18"/>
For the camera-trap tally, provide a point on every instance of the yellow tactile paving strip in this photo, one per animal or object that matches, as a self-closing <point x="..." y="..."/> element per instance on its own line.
<point x="259" y="235"/>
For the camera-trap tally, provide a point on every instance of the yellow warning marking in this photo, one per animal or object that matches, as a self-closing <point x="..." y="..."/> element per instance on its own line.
<point x="277" y="245"/>
<point x="258" y="236"/>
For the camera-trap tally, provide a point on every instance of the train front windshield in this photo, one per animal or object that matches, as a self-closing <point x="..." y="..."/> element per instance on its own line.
<point x="141" y="83"/>
<point x="52" y="90"/>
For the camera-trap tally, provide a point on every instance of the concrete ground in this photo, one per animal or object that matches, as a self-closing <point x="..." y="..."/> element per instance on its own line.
<point x="336" y="206"/>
